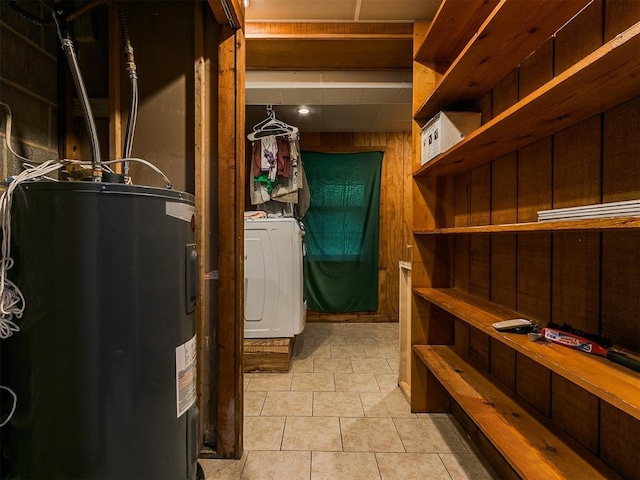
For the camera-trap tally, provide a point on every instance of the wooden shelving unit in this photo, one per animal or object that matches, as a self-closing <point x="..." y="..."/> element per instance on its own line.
<point x="455" y="22"/>
<point x="544" y="452"/>
<point x="480" y="256"/>
<point x="600" y="81"/>
<point x="594" y="224"/>
<point x="511" y="32"/>
<point x="604" y="379"/>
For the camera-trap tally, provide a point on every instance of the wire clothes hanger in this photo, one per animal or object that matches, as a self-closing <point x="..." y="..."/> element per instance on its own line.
<point x="271" y="126"/>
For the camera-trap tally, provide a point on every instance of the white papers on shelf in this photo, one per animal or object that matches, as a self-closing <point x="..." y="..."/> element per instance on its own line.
<point x="630" y="208"/>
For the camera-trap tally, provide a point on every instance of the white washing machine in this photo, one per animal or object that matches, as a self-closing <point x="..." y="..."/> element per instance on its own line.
<point x="274" y="305"/>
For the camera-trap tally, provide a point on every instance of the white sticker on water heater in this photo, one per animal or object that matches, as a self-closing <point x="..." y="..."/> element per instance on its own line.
<point x="186" y="376"/>
<point x="182" y="211"/>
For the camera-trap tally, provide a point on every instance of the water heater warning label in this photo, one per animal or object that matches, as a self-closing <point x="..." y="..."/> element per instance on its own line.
<point x="186" y="375"/>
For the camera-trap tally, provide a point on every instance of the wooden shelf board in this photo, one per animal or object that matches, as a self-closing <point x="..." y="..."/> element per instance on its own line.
<point x="455" y="19"/>
<point x="594" y="224"/>
<point x="612" y="383"/>
<point x="602" y="80"/>
<point x="508" y="36"/>
<point x="532" y="446"/>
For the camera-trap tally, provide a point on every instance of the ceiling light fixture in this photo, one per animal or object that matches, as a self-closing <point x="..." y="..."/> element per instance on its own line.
<point x="303" y="111"/>
<point x="246" y="3"/>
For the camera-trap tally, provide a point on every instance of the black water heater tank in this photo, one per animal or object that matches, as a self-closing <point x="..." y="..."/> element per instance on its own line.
<point x="104" y="365"/>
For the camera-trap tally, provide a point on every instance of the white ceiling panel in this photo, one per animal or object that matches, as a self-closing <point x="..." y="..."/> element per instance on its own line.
<point x="301" y="10"/>
<point x="341" y="96"/>
<point x="380" y="95"/>
<point x="264" y="96"/>
<point x="398" y="10"/>
<point x="302" y="96"/>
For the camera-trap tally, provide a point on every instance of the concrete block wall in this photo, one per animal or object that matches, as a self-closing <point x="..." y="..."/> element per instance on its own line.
<point x="29" y="85"/>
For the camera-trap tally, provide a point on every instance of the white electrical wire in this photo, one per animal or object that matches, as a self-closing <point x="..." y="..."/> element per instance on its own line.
<point x="8" y="133"/>
<point x="13" y="408"/>
<point x="11" y="299"/>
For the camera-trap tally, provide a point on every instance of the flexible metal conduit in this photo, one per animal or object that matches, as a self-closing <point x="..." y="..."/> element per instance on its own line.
<point x="69" y="50"/>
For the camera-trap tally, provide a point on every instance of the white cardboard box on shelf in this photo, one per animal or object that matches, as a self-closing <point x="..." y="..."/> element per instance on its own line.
<point x="444" y="130"/>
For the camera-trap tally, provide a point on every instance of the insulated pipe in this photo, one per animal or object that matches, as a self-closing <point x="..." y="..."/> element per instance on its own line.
<point x="69" y="50"/>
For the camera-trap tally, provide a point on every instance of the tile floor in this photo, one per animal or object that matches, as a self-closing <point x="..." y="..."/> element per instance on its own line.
<point x="339" y="414"/>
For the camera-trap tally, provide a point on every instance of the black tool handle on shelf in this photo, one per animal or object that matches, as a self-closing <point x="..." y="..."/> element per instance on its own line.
<point x="624" y="360"/>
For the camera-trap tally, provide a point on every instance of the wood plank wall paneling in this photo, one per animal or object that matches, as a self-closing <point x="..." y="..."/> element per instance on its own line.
<point x="504" y="189"/>
<point x="618" y="16"/>
<point x="534" y="180"/>
<point x="581" y="36"/>
<point x="576" y="164"/>
<point x="576" y="280"/>
<point x="620" y="440"/>
<point x="505" y="93"/>
<point x="620" y="285"/>
<point x="534" y="276"/>
<point x="536" y="70"/>
<point x="576" y="411"/>
<point x="503" y="270"/>
<point x="503" y="364"/>
<point x="621" y="143"/>
<point x="462" y="200"/>
<point x="395" y="235"/>
<point x="533" y="383"/>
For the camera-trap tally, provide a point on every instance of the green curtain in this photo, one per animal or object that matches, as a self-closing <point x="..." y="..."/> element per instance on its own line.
<point x="342" y="231"/>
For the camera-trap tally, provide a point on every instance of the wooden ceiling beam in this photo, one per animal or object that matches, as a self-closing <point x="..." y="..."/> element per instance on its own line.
<point x="329" y="46"/>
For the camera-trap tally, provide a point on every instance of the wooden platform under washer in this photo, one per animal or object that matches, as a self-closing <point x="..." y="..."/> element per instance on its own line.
<point x="267" y="354"/>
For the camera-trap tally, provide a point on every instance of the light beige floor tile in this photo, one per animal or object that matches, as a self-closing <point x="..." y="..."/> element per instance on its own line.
<point x="265" y="382"/>
<point x="467" y="466"/>
<point x="313" y="382"/>
<point x="411" y="466"/>
<point x="288" y="404"/>
<point x="302" y="365"/>
<point x="388" y="404"/>
<point x="337" y="404"/>
<point x="332" y="341"/>
<point x="360" y="341"/>
<point x="462" y="435"/>
<point x="423" y="435"/>
<point x="434" y="416"/>
<point x="253" y="402"/>
<point x="320" y="351"/>
<point x="382" y="352"/>
<point x="312" y="433"/>
<point x="301" y="342"/>
<point x="387" y="382"/>
<point x="386" y="341"/>
<point x="347" y="352"/>
<point x="333" y="365"/>
<point x="222" y="469"/>
<point x="263" y="433"/>
<point x="344" y="466"/>
<point x="315" y="351"/>
<point x="247" y="379"/>
<point x="277" y="466"/>
<point x="356" y="382"/>
<point x="359" y="330"/>
<point x="316" y="328"/>
<point x="370" y="435"/>
<point x="370" y="365"/>
<point x="394" y="364"/>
